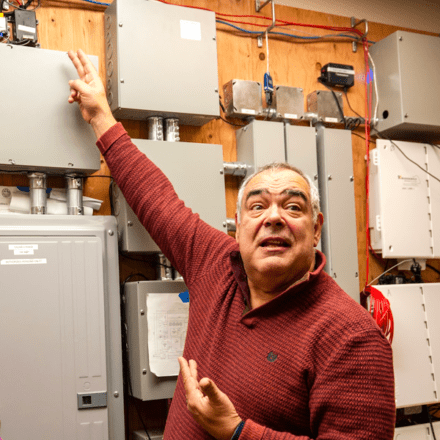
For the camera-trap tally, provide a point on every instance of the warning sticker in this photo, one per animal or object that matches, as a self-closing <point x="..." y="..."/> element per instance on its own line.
<point x="24" y="261"/>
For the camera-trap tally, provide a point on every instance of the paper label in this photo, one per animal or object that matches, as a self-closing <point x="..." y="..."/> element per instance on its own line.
<point x="167" y="318"/>
<point x="343" y="71"/>
<point x="190" y="30"/>
<point x="27" y="261"/>
<point x="290" y="116"/>
<point x="248" y="111"/>
<point x="331" y="119"/>
<point x="26" y="29"/>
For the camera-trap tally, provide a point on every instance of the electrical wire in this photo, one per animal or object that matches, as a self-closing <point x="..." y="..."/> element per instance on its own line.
<point x="433" y="268"/>
<point x="341" y="113"/>
<point x="388" y="270"/>
<point x="374" y="80"/>
<point x="348" y="102"/>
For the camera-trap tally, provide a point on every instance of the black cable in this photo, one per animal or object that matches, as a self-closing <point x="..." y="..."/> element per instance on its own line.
<point x="406" y="157"/>
<point x="348" y="102"/>
<point x="358" y="135"/>
<point x="433" y="268"/>
<point x="224" y="111"/>
<point x="337" y="102"/>
<point x="430" y="422"/>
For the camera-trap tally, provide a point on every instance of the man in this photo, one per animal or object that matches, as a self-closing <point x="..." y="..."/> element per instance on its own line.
<point x="282" y="351"/>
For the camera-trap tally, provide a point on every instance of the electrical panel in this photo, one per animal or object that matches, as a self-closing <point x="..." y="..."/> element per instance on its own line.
<point x="161" y="60"/>
<point x="152" y="435"/>
<point x="336" y="189"/>
<point x="416" y="343"/>
<point x="40" y="131"/>
<point x="145" y="384"/>
<point x="407" y="65"/>
<point x="260" y="143"/>
<point x="404" y="208"/>
<point x="196" y="173"/>
<point x="417" y="432"/>
<point x="61" y="374"/>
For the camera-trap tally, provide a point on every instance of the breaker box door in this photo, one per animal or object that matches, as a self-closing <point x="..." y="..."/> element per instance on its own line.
<point x="52" y="340"/>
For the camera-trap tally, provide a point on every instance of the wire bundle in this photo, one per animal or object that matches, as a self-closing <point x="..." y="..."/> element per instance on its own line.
<point x="380" y="310"/>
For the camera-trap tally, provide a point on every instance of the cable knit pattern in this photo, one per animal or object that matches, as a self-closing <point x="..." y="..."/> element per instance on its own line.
<point x="310" y="364"/>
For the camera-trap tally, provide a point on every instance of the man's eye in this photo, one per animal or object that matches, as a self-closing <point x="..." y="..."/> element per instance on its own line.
<point x="293" y="208"/>
<point x="256" y="207"/>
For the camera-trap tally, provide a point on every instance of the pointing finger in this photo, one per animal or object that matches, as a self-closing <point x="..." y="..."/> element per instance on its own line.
<point x="87" y="65"/>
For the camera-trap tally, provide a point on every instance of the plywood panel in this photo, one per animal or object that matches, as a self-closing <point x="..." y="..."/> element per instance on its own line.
<point x="72" y="24"/>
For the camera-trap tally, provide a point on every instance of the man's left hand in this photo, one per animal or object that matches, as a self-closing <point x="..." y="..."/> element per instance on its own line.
<point x="210" y="407"/>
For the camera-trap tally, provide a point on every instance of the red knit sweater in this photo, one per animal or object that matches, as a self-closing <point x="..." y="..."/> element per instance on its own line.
<point x="310" y="364"/>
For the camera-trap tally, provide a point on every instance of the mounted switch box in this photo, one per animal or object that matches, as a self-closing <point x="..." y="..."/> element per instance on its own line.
<point x="407" y="65"/>
<point x="325" y="106"/>
<point x="242" y="99"/>
<point x="161" y="60"/>
<point x="288" y="103"/>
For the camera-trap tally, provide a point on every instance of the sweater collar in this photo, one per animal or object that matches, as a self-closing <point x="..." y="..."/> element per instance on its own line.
<point x="241" y="278"/>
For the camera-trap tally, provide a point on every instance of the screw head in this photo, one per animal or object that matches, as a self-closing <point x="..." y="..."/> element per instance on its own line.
<point x="116" y="394"/>
<point x="130" y="223"/>
<point x="110" y="232"/>
<point x="142" y="312"/>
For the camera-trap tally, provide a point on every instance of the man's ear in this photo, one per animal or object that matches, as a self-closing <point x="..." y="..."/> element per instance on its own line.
<point x="318" y="229"/>
<point x="237" y="227"/>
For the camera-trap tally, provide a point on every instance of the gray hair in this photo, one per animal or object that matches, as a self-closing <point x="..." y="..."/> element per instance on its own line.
<point x="277" y="166"/>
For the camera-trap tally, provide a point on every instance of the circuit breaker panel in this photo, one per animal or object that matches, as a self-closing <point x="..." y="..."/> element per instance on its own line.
<point x="61" y="375"/>
<point x="39" y="130"/>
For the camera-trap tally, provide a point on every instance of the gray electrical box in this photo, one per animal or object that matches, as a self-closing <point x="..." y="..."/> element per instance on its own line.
<point x="161" y="60"/>
<point x="40" y="131"/>
<point x="242" y="99"/>
<point x="288" y="103"/>
<point x="336" y="189"/>
<point x="145" y="384"/>
<point x="260" y="143"/>
<point x="407" y="67"/>
<point x="196" y="172"/>
<point x="325" y="106"/>
<point x="61" y="373"/>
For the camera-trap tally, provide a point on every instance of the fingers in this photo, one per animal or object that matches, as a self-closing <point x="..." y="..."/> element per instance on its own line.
<point x="87" y="65"/>
<point x="209" y="389"/>
<point x="77" y="63"/>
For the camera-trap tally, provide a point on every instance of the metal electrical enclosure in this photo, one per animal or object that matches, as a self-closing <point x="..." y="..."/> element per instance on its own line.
<point x="336" y="188"/>
<point x="260" y="143"/>
<point x="416" y="343"/>
<point x="145" y="384"/>
<point x="407" y="66"/>
<point x="417" y="432"/>
<point x="39" y="130"/>
<point x="61" y="373"/>
<point x="196" y="173"/>
<point x="161" y="60"/>
<point x="404" y="207"/>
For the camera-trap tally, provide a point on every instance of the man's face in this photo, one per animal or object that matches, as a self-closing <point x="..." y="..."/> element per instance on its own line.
<point x="277" y="235"/>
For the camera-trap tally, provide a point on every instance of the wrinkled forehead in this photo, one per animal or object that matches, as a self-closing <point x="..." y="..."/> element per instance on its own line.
<point x="277" y="182"/>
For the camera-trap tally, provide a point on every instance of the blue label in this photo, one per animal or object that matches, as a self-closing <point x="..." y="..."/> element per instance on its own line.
<point x="184" y="296"/>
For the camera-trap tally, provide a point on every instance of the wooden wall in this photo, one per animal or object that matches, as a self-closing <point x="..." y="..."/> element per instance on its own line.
<point x="73" y="24"/>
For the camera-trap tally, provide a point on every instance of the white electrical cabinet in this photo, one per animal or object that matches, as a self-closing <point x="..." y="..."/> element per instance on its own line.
<point x="60" y="344"/>
<point x="416" y="343"/>
<point x="404" y="200"/>
<point x="417" y="432"/>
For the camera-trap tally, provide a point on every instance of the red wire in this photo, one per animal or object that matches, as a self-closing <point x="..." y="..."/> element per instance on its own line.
<point x="286" y="23"/>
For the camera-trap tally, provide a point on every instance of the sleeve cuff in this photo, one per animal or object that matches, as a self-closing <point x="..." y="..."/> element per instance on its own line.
<point x="110" y="137"/>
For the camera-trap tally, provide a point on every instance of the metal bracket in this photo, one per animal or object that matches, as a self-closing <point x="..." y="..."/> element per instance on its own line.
<point x="258" y="8"/>
<point x="354" y="24"/>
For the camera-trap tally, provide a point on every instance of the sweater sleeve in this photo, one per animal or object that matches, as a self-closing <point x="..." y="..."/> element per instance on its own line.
<point x="353" y="397"/>
<point x="189" y="243"/>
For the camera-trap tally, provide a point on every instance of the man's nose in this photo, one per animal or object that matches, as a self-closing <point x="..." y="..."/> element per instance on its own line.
<point x="273" y="216"/>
